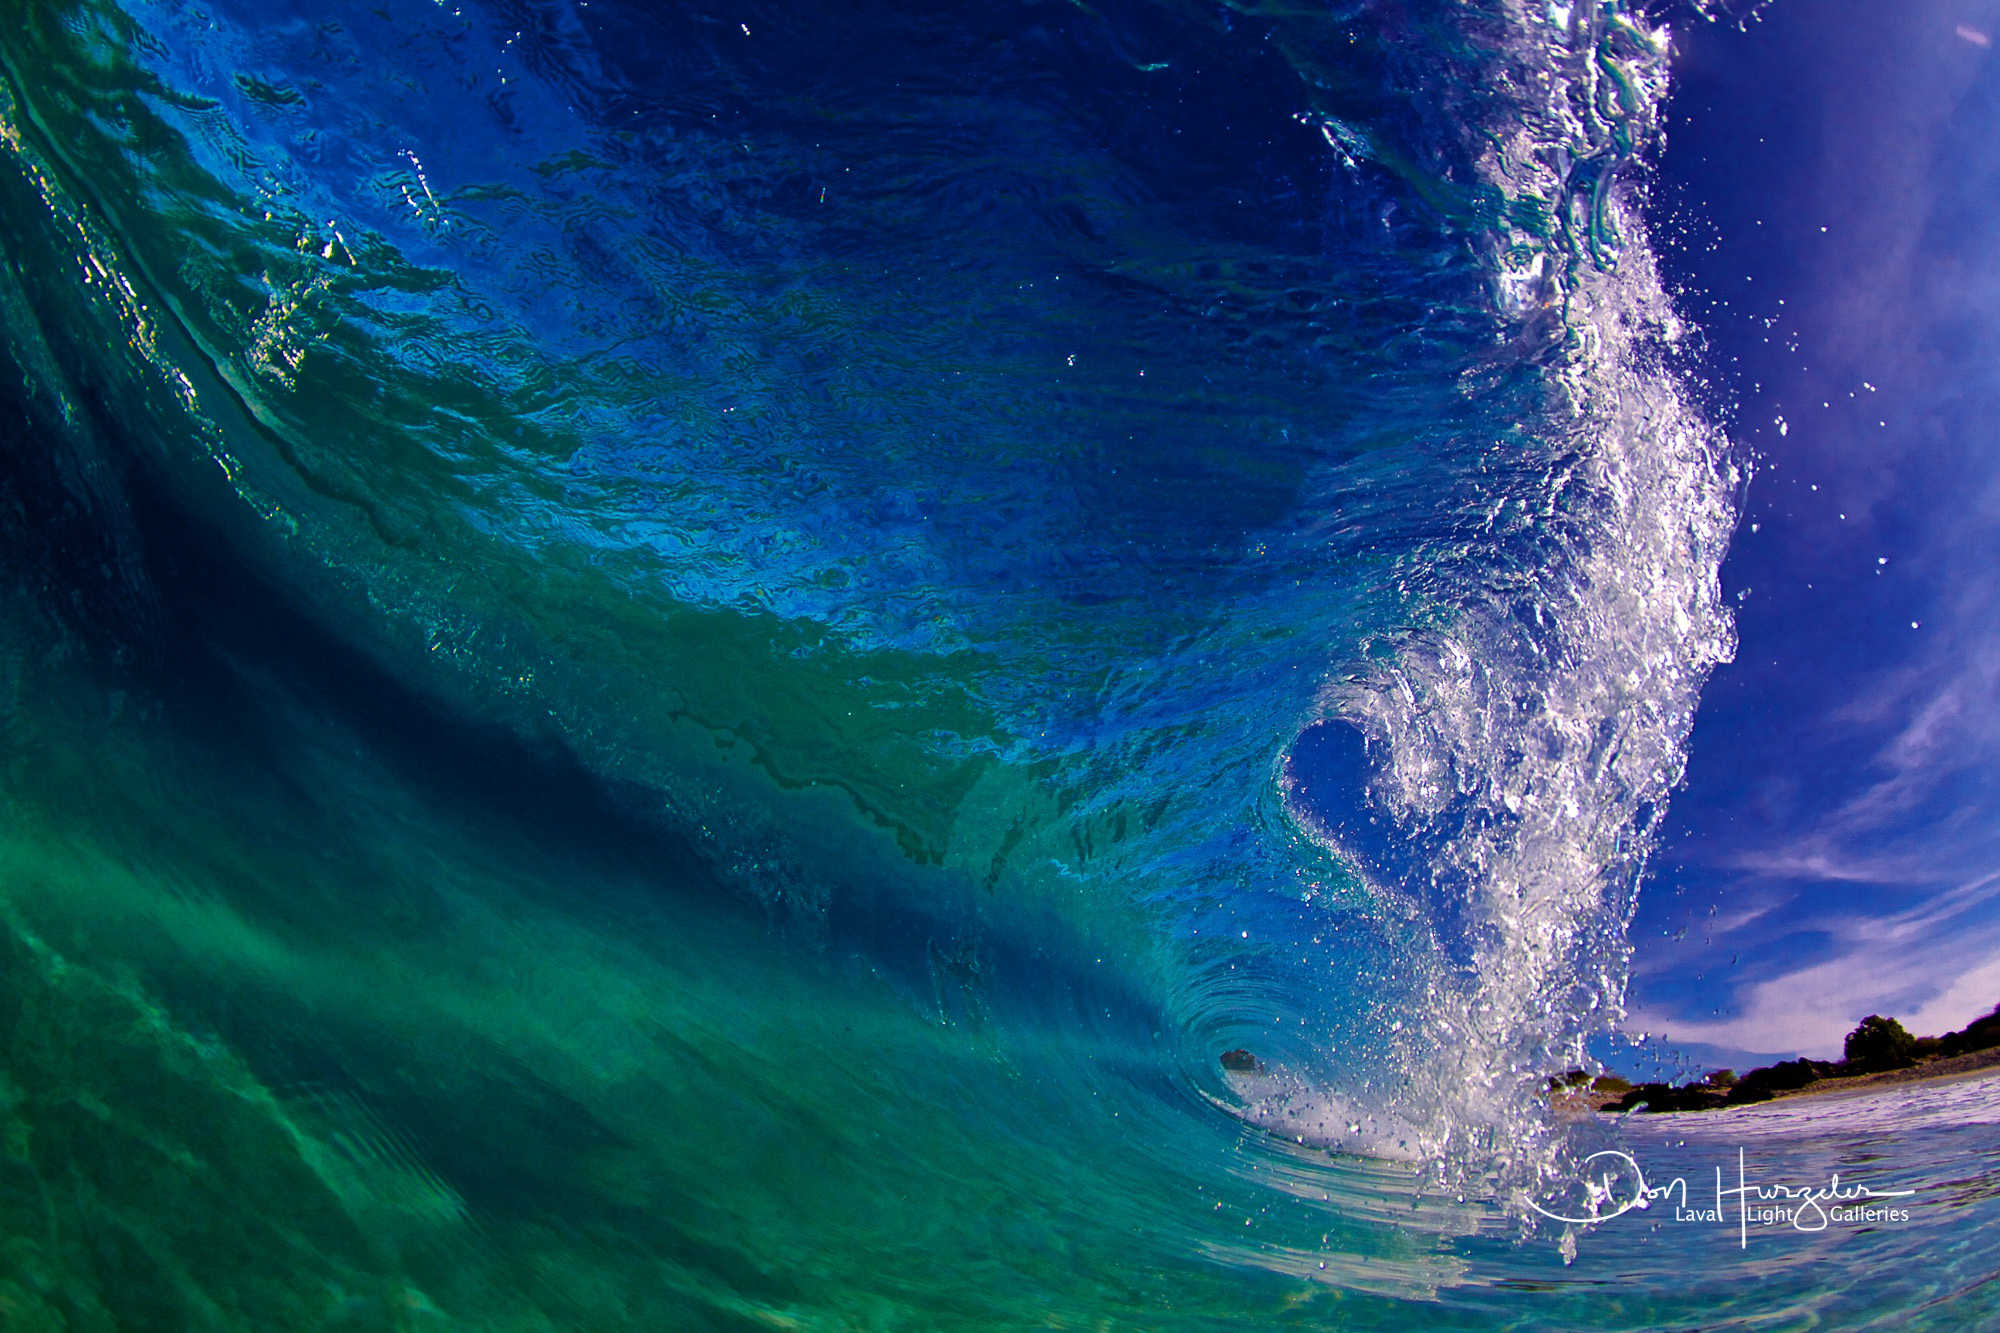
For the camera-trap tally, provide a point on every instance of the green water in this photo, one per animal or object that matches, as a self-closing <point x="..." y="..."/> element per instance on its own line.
<point x="584" y="745"/>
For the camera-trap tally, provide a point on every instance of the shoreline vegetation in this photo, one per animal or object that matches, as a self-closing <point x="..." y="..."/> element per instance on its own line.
<point x="1878" y="1052"/>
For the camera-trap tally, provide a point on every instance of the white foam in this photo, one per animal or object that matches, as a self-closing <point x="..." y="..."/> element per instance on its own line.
<point x="1532" y="718"/>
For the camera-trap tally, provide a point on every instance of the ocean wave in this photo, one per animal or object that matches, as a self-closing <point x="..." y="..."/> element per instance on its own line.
<point x="1113" y="536"/>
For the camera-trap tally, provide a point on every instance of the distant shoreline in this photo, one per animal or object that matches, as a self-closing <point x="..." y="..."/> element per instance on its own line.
<point x="1952" y="1069"/>
<point x="1973" y="1064"/>
<point x="1570" y="1103"/>
<point x="1879" y="1053"/>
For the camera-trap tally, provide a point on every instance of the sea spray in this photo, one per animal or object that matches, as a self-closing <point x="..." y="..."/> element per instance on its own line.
<point x="1521" y="735"/>
<point x="864" y="564"/>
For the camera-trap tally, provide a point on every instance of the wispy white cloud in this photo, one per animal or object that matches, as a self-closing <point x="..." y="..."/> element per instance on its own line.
<point x="1885" y="902"/>
<point x="1922" y="820"/>
<point x="1935" y="965"/>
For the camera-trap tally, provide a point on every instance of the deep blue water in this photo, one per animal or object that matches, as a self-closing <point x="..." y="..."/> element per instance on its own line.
<point x="867" y="666"/>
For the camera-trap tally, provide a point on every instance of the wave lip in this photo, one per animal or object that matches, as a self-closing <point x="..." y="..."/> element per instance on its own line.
<point x="1518" y="736"/>
<point x="961" y="633"/>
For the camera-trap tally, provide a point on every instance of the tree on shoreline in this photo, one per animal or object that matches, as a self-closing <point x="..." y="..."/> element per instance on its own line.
<point x="1880" y="1043"/>
<point x="1876" y="1045"/>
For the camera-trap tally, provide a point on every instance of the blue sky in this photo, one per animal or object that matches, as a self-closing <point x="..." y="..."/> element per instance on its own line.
<point x="1832" y="192"/>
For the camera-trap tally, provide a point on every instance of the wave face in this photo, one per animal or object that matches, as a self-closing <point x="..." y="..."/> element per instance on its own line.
<point x="829" y="666"/>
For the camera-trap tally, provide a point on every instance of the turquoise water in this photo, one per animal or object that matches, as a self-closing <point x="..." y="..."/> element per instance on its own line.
<point x="689" y="670"/>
